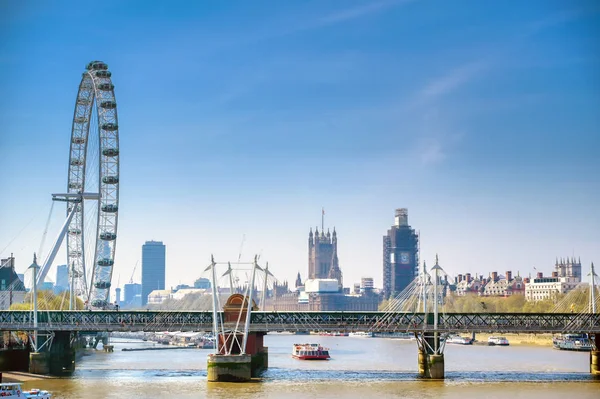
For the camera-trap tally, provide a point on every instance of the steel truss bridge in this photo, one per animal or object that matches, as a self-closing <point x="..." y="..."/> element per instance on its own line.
<point x="304" y="321"/>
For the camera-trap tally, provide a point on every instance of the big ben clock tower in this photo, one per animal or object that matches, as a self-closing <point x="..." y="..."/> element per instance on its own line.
<point x="400" y="255"/>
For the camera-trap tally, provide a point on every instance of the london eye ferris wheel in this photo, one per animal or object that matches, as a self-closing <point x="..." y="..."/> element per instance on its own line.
<point x="92" y="195"/>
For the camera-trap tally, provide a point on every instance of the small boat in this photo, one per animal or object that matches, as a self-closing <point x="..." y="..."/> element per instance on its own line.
<point x="457" y="339"/>
<point x="310" y="352"/>
<point x="206" y="343"/>
<point x="396" y="335"/>
<point x="572" y="342"/>
<point x="14" y="390"/>
<point x="497" y="341"/>
<point x="361" y="334"/>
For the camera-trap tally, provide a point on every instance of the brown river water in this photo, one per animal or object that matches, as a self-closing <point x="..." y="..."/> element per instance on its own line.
<point x="359" y="368"/>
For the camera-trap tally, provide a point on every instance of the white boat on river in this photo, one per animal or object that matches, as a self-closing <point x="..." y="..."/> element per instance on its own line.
<point x="9" y="390"/>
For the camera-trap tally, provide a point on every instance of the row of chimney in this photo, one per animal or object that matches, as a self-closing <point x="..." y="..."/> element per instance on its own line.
<point x="467" y="277"/>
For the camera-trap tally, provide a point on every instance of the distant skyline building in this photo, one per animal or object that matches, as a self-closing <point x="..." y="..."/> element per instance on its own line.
<point x="62" y="278"/>
<point x="400" y="255"/>
<point x="565" y="278"/>
<point x="153" y="268"/>
<point x="323" y="260"/>
<point x="131" y="293"/>
<point x="203" y="283"/>
<point x="12" y="289"/>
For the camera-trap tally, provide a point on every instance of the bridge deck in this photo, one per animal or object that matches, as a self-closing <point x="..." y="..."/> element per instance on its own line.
<point x="304" y="321"/>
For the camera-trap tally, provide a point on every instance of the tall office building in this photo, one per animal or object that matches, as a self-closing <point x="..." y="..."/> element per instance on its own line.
<point x="153" y="268"/>
<point x="132" y="291"/>
<point x="400" y="255"/>
<point x="62" y="278"/>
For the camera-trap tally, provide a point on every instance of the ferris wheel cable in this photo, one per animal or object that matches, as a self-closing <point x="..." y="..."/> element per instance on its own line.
<point x="34" y="216"/>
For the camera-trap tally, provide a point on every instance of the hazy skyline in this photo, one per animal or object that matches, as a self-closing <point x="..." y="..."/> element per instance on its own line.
<point x="246" y="118"/>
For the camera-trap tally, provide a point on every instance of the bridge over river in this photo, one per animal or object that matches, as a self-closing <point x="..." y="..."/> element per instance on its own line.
<point x="305" y="321"/>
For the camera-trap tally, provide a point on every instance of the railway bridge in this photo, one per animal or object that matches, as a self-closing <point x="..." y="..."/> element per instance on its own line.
<point x="62" y="327"/>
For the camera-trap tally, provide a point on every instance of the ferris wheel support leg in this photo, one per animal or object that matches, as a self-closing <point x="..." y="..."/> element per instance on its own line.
<point x="61" y="235"/>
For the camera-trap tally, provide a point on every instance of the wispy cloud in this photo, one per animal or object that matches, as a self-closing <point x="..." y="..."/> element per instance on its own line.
<point x="357" y="12"/>
<point x="451" y="81"/>
<point x="557" y="19"/>
<point x="431" y="152"/>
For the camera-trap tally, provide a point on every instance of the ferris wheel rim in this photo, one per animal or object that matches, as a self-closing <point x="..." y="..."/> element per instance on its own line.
<point x="95" y="93"/>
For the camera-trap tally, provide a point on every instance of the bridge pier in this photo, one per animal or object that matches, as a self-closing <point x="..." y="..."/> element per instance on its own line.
<point x="233" y="362"/>
<point x="56" y="359"/>
<point x="229" y="368"/>
<point x="431" y="357"/>
<point x="595" y="357"/>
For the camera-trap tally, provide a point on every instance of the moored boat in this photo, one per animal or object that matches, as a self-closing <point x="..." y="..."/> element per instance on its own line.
<point x="310" y="352"/>
<point x="497" y="341"/>
<point x="572" y="342"/>
<point x="361" y="334"/>
<point x="13" y="390"/>
<point x="457" y="339"/>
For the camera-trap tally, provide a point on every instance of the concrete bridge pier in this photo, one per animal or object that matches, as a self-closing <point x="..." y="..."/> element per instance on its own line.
<point x="595" y="357"/>
<point x="231" y="363"/>
<point x="431" y="357"/>
<point x="57" y="358"/>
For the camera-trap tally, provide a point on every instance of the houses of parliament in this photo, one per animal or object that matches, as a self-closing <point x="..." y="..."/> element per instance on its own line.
<point x="323" y="290"/>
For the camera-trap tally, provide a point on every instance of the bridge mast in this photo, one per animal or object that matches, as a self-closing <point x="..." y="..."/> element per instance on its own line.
<point x="249" y="310"/>
<point x="436" y="341"/>
<point x="592" y="306"/>
<point x="214" y="300"/>
<point x="34" y="266"/>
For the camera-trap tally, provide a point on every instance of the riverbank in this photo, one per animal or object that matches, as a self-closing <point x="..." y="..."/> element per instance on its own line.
<point x="158" y="348"/>
<point x="19" y="376"/>
<point x="520" y="339"/>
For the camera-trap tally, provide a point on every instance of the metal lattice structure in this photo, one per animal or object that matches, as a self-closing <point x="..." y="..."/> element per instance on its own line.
<point x="305" y="321"/>
<point x="96" y="94"/>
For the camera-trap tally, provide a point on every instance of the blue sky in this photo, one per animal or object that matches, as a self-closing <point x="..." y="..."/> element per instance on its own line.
<point x="245" y="118"/>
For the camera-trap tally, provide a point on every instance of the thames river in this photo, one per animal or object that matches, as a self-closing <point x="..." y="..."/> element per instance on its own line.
<point x="359" y="368"/>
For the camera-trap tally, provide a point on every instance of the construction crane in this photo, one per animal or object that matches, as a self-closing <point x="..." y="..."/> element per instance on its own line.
<point x="133" y="272"/>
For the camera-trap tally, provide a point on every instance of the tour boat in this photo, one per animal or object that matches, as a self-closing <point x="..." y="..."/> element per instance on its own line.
<point x="361" y="334"/>
<point x="572" y="342"/>
<point x="310" y="352"/>
<point x="497" y="341"/>
<point x="457" y="339"/>
<point x="14" y="390"/>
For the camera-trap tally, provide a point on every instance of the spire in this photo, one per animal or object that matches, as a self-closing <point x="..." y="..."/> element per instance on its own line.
<point x="436" y="260"/>
<point x="298" y="281"/>
<point x="310" y="232"/>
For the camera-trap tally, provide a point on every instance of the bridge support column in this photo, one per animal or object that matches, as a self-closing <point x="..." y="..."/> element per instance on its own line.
<point x="431" y="363"/>
<point x="229" y="368"/>
<point x="39" y="363"/>
<point x="595" y="357"/>
<point x="436" y="367"/>
<point x="58" y="358"/>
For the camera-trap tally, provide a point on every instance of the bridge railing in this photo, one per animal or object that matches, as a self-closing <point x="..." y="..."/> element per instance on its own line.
<point x="304" y="321"/>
